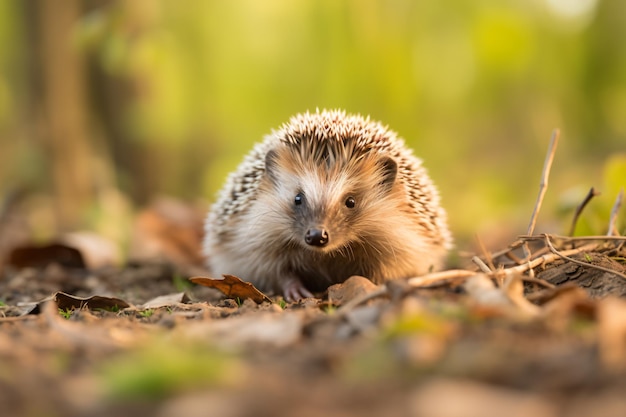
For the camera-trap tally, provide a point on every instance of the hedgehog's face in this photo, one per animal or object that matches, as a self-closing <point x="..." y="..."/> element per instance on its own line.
<point x="329" y="203"/>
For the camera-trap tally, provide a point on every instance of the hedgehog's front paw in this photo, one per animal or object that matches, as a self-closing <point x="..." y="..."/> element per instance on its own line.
<point x="294" y="290"/>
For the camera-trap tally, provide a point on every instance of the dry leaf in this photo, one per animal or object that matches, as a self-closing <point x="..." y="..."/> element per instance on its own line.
<point x="351" y="288"/>
<point x="232" y="287"/>
<point x="42" y="256"/>
<point x="66" y="302"/>
<point x="166" y="300"/>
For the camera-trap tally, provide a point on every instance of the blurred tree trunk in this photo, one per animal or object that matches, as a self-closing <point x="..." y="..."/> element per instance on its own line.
<point x="115" y="94"/>
<point x="64" y="108"/>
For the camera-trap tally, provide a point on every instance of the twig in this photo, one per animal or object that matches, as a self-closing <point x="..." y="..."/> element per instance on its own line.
<point x="613" y="219"/>
<point x="543" y="186"/>
<point x="416" y="282"/>
<point x="547" y="258"/>
<point x="515" y="258"/>
<point x="566" y="257"/>
<point x="438" y="277"/>
<point x="508" y="250"/>
<point x="538" y="281"/>
<point x="572" y="238"/>
<point x="483" y="266"/>
<point x="487" y="255"/>
<point x="591" y="194"/>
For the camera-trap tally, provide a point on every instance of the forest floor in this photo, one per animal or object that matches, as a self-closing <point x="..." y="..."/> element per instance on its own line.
<point x="143" y="340"/>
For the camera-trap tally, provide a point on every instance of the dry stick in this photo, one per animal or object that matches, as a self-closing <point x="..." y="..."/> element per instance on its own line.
<point x="457" y="274"/>
<point x="572" y="238"/>
<point x="591" y="194"/>
<point x="483" y="266"/>
<point x="545" y="259"/>
<point x="437" y="277"/>
<point x="486" y="254"/>
<point x="613" y="219"/>
<point x="543" y="186"/>
<point x="514" y="258"/>
<point x="563" y="256"/>
<point x="423" y="281"/>
<point x="538" y="282"/>
<point x="506" y="251"/>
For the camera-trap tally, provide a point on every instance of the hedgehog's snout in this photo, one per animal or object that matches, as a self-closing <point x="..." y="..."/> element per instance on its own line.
<point x="316" y="237"/>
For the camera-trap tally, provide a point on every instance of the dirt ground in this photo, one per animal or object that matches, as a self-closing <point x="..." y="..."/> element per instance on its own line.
<point x="143" y="340"/>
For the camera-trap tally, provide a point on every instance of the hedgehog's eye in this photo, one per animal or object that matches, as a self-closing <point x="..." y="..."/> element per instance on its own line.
<point x="350" y="202"/>
<point x="299" y="199"/>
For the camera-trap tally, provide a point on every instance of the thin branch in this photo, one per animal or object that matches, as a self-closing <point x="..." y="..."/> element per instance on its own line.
<point x="438" y="277"/>
<point x="538" y="281"/>
<point x="613" y="219"/>
<point x="543" y="186"/>
<point x="515" y="258"/>
<point x="566" y="257"/>
<point x="547" y="258"/>
<point x="511" y="247"/>
<point x="591" y="194"/>
<point x="483" y="266"/>
<point x="572" y="238"/>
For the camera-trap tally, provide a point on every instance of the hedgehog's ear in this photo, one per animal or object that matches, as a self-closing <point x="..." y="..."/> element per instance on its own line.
<point x="271" y="165"/>
<point x="389" y="169"/>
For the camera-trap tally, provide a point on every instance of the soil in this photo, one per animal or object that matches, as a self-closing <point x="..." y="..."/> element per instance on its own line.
<point x="468" y="346"/>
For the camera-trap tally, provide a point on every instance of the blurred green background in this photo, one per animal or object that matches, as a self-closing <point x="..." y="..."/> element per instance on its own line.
<point x="106" y="104"/>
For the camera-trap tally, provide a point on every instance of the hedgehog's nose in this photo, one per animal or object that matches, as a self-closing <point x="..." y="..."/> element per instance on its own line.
<point x="316" y="237"/>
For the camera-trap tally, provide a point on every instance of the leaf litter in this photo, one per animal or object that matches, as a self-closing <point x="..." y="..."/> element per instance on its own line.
<point x="538" y="328"/>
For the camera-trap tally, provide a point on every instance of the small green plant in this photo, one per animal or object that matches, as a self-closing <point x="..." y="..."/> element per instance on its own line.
<point x="330" y="309"/>
<point x="282" y="303"/>
<point x="146" y="313"/>
<point x="181" y="284"/>
<point x="65" y="313"/>
<point x="111" y="309"/>
<point x="588" y="257"/>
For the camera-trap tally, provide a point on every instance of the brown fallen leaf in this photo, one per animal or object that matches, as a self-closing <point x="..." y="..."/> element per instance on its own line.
<point x="41" y="256"/>
<point x="66" y="301"/>
<point x="166" y="300"/>
<point x="353" y="287"/>
<point x="232" y="287"/>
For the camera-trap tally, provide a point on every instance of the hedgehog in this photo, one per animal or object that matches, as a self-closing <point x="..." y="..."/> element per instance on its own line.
<point x="327" y="196"/>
